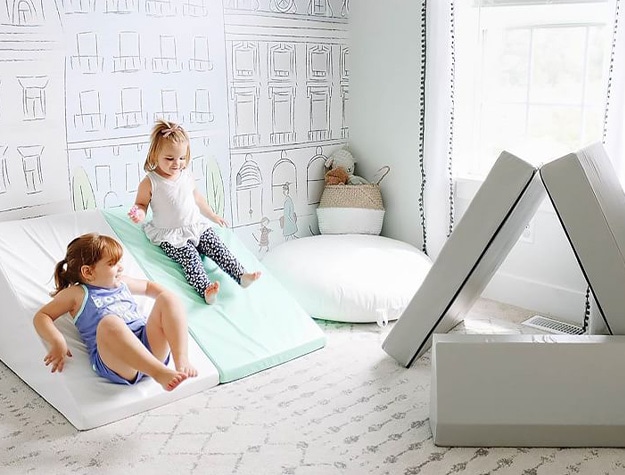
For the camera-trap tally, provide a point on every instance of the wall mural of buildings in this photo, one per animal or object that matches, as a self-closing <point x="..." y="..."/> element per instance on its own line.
<point x="261" y="86"/>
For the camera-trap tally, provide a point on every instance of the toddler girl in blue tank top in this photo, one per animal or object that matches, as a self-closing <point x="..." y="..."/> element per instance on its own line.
<point x="123" y="344"/>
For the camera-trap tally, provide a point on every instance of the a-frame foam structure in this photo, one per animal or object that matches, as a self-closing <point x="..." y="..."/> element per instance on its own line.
<point x="590" y="204"/>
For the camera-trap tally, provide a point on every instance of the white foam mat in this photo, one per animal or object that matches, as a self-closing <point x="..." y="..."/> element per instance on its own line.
<point x="29" y="250"/>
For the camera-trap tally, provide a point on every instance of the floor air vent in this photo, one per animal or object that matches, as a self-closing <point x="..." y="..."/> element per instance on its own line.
<point x="552" y="326"/>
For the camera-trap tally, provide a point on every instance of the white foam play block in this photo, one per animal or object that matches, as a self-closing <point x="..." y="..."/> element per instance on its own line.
<point x="528" y="390"/>
<point x="590" y="204"/>
<point x="489" y="228"/>
<point x="28" y="251"/>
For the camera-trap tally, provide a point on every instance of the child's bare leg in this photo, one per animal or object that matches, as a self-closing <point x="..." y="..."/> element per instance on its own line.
<point x="210" y="294"/>
<point x="167" y="331"/>
<point x="249" y="278"/>
<point x="122" y="352"/>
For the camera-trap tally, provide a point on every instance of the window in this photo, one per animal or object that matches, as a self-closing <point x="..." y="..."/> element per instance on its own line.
<point x="530" y="79"/>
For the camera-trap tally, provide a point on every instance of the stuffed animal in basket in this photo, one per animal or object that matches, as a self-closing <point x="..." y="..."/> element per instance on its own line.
<point x="342" y="158"/>
<point x="336" y="176"/>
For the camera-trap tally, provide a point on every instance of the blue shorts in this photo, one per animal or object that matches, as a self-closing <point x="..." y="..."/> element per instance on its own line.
<point x="102" y="370"/>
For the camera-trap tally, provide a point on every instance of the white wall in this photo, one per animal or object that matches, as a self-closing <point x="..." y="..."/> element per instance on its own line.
<point x="540" y="273"/>
<point x="385" y="46"/>
<point x="261" y="87"/>
<point x="385" y="40"/>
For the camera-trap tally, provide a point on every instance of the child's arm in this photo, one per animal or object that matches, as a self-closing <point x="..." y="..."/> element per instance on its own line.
<point x="142" y="201"/>
<point x="143" y="287"/>
<point x="67" y="300"/>
<point x="206" y="209"/>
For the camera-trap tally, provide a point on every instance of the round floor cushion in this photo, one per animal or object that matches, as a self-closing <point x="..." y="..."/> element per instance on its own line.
<point x="349" y="277"/>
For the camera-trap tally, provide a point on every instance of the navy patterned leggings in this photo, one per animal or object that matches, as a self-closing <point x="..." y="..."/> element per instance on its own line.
<point x="190" y="258"/>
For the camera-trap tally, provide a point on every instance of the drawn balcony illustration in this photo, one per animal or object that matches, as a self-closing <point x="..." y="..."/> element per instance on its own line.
<point x="121" y="6"/>
<point x="126" y="64"/>
<point x="79" y="6"/>
<point x="130" y="119"/>
<point x="245" y="140"/>
<point x="90" y="122"/>
<point x="159" y="8"/>
<point x="200" y="65"/>
<point x="171" y="116"/>
<point x="31" y="165"/>
<point x="166" y="65"/>
<point x="87" y="64"/>
<point x="202" y="117"/>
<point x="278" y="138"/>
<point x="194" y="8"/>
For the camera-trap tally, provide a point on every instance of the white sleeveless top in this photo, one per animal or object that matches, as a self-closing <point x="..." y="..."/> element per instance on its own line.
<point x="176" y="217"/>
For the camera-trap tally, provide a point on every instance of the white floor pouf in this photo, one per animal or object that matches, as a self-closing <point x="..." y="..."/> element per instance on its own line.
<point x="349" y="277"/>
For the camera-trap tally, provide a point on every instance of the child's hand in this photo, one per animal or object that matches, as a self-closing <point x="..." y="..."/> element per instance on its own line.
<point x="136" y="214"/>
<point x="56" y="356"/>
<point x="219" y="220"/>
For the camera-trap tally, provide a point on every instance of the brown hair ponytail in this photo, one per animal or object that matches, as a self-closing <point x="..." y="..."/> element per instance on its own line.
<point x="85" y="250"/>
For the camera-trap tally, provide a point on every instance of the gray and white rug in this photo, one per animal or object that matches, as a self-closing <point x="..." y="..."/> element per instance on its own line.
<point x="346" y="409"/>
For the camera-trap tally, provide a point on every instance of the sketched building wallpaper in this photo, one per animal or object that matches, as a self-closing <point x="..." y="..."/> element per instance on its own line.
<point x="261" y="86"/>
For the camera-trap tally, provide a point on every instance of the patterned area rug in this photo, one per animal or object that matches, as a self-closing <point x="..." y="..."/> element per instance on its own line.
<point x="346" y="409"/>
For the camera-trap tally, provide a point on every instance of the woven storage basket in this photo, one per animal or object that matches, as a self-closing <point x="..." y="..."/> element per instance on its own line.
<point x="351" y="209"/>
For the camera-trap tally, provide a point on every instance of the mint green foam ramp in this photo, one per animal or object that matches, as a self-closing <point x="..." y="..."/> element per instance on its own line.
<point x="246" y="330"/>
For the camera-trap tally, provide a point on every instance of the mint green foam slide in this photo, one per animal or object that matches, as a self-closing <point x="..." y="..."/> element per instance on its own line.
<point x="246" y="330"/>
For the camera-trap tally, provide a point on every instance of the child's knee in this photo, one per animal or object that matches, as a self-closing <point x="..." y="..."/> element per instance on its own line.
<point x="110" y="326"/>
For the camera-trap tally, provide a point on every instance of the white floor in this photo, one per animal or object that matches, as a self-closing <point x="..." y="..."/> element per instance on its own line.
<point x="345" y="409"/>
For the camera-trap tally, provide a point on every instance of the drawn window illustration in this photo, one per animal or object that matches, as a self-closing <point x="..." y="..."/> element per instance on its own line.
<point x="89" y="118"/>
<point x="282" y="62"/>
<point x="103" y="181"/>
<point x="25" y="13"/>
<point x="167" y="62"/>
<point x="129" y="58"/>
<point x="282" y="114"/>
<point x="202" y="113"/>
<point x="201" y="56"/>
<point x="131" y="114"/>
<point x="87" y="60"/>
<point x="245" y="116"/>
<point x="133" y="176"/>
<point x="319" y="60"/>
<point x="344" y="64"/>
<point x="245" y="60"/>
<point x="319" y="100"/>
<point x="249" y="192"/>
<point x="283" y="172"/>
<point x="169" y="106"/>
<point x="283" y="6"/>
<point x="315" y="177"/>
<point x="31" y="165"/>
<point x="344" y="111"/>
<point x="197" y="167"/>
<point x="4" y="171"/>
<point x="319" y="7"/>
<point x="34" y="96"/>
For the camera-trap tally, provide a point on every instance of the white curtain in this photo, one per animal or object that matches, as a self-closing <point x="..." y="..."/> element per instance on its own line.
<point x="438" y="120"/>
<point x="614" y="126"/>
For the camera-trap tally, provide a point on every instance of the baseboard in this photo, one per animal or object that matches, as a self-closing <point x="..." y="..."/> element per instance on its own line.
<point x="558" y="302"/>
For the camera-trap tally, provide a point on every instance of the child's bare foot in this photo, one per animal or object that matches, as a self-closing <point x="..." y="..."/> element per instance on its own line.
<point x="183" y="365"/>
<point x="249" y="278"/>
<point x="170" y="379"/>
<point x="210" y="294"/>
<point x="186" y="368"/>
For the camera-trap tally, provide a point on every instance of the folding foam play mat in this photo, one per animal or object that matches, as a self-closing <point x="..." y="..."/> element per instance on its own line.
<point x="246" y="331"/>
